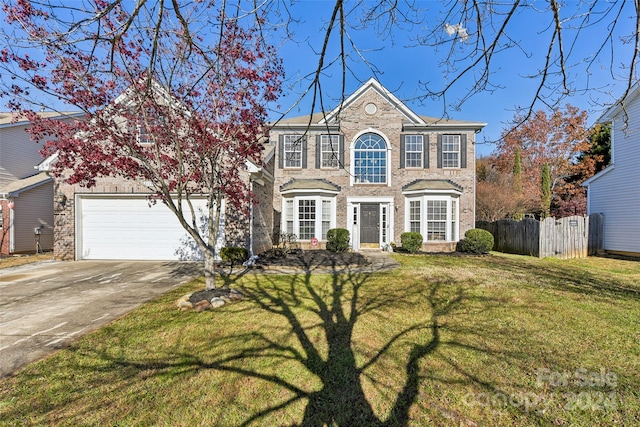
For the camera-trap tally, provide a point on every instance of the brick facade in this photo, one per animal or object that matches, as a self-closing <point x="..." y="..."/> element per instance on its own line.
<point x="391" y="120"/>
<point x="370" y="110"/>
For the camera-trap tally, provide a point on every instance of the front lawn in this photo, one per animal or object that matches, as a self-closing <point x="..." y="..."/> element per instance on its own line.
<point x="496" y="340"/>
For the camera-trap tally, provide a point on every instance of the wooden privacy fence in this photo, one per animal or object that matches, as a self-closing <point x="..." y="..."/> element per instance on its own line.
<point x="570" y="237"/>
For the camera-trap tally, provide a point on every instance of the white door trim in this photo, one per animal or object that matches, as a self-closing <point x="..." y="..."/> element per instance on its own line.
<point x="353" y="217"/>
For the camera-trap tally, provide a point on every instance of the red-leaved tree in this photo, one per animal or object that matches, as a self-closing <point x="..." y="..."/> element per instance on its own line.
<point x="174" y="95"/>
<point x="554" y="139"/>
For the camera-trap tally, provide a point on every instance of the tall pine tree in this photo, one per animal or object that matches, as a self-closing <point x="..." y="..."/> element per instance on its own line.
<point x="545" y="190"/>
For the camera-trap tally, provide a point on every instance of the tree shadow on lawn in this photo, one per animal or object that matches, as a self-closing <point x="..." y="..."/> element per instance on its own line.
<point x="561" y="275"/>
<point x="339" y="363"/>
<point x="346" y="372"/>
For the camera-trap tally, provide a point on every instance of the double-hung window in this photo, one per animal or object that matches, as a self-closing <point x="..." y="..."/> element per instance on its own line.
<point x="414" y="216"/>
<point x="436" y="220"/>
<point x="413" y="150"/>
<point x="288" y="215"/>
<point x="329" y="151"/>
<point x="292" y="151"/>
<point x="306" y="219"/>
<point x="148" y="124"/>
<point x="450" y="151"/>
<point x="327" y="214"/>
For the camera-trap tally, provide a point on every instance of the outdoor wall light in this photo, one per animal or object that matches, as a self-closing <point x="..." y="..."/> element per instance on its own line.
<point x="60" y="199"/>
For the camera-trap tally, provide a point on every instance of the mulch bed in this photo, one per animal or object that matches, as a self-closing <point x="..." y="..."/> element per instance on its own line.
<point x="311" y="258"/>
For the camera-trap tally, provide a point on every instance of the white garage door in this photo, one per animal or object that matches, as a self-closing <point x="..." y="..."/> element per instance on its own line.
<point x="128" y="228"/>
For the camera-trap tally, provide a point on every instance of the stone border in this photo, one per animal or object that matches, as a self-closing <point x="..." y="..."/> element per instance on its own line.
<point x="205" y="300"/>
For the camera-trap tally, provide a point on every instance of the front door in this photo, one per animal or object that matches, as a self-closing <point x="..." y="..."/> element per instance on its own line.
<point x="370" y="225"/>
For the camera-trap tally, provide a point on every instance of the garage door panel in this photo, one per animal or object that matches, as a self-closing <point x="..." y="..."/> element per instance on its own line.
<point x="130" y="228"/>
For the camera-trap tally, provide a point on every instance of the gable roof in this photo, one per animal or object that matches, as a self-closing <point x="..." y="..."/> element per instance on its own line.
<point x="412" y="120"/>
<point x="13" y="189"/>
<point x="373" y="84"/>
<point x="620" y="104"/>
<point x="8" y="119"/>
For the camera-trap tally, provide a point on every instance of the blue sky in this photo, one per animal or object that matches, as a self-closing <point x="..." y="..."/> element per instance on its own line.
<point x="402" y="66"/>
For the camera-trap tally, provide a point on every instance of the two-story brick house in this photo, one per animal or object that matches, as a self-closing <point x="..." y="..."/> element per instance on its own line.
<point x="376" y="168"/>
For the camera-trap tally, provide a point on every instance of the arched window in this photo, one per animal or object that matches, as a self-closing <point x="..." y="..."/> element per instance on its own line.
<point x="370" y="159"/>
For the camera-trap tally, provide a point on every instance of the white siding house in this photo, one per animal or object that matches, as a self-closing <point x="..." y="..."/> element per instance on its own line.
<point x="26" y="194"/>
<point x="615" y="191"/>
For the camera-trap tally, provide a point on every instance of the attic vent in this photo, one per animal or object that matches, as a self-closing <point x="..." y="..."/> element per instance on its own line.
<point x="370" y="108"/>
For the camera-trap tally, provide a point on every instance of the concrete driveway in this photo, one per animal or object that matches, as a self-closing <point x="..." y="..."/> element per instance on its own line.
<point x="45" y="306"/>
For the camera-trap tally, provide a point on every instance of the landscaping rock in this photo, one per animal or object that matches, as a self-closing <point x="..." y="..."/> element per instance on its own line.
<point x="235" y="295"/>
<point x="185" y="305"/>
<point x="217" y="302"/>
<point x="202" y="306"/>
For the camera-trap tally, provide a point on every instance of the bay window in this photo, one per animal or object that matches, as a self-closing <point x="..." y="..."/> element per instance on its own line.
<point x="433" y="216"/>
<point x="308" y="216"/>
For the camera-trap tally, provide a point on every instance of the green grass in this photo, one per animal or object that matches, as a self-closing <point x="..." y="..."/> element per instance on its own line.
<point x="496" y="340"/>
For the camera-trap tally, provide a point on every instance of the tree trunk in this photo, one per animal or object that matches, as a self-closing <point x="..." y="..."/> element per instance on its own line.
<point x="213" y="225"/>
<point x="209" y="270"/>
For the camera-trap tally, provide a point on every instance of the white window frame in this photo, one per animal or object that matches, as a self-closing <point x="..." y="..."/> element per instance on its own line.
<point x="415" y="206"/>
<point x="288" y="215"/>
<point x="452" y="223"/>
<point x="307" y="213"/>
<point x="291" y="205"/>
<point x="387" y="158"/>
<point x="329" y="157"/>
<point x="409" y="140"/>
<point x="293" y="155"/>
<point x="442" y="222"/>
<point x="143" y="135"/>
<point x="451" y="145"/>
<point x="327" y="215"/>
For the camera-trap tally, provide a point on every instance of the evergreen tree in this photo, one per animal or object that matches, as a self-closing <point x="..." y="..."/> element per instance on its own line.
<point x="546" y="190"/>
<point x="517" y="171"/>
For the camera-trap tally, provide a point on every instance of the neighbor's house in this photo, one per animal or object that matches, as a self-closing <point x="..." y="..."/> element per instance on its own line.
<point x="376" y="168"/>
<point x="26" y="191"/>
<point x="615" y="191"/>
<point x="115" y="220"/>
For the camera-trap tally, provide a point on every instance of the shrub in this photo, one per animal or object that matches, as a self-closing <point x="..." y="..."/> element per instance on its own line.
<point x="338" y="240"/>
<point x="477" y="241"/>
<point x="234" y="255"/>
<point x="284" y="243"/>
<point x="411" y="241"/>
